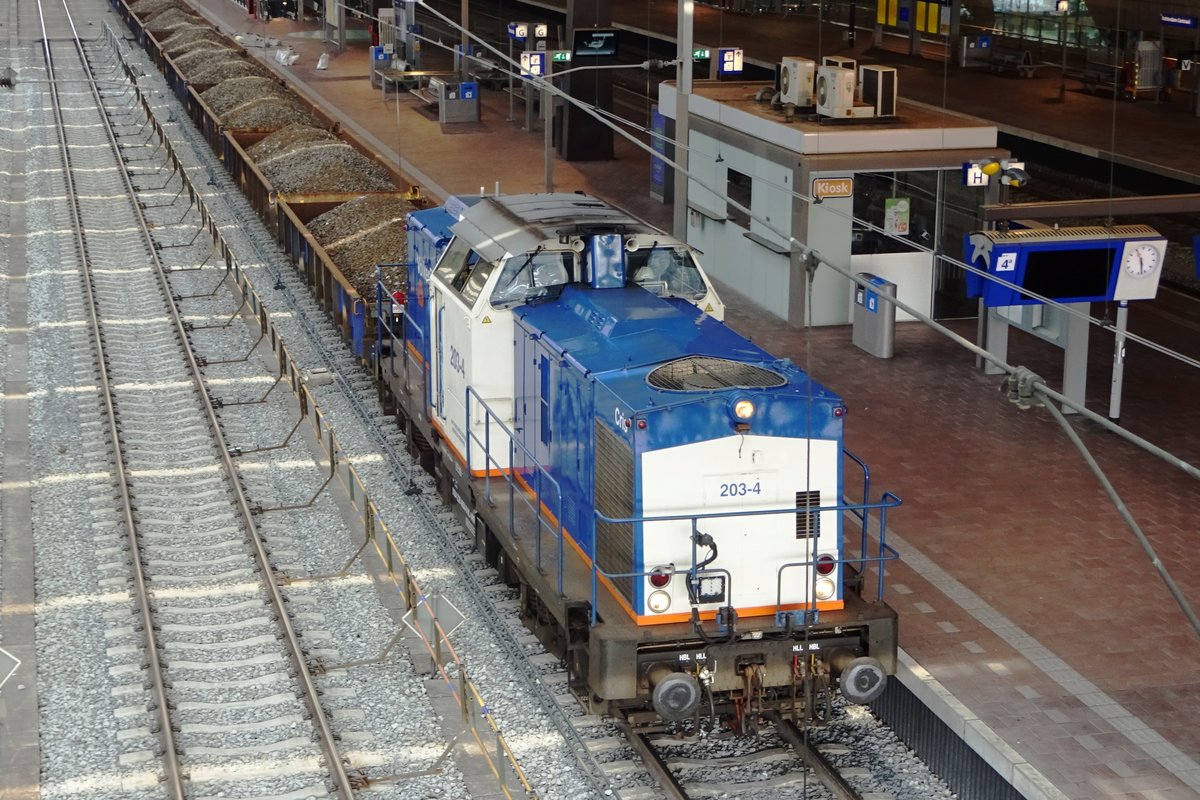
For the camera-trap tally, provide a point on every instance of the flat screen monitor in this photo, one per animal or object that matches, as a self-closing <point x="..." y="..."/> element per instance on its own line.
<point x="594" y="42"/>
<point x="1069" y="274"/>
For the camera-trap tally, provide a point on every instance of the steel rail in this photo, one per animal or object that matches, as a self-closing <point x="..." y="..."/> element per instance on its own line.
<point x="825" y="772"/>
<point x="325" y="736"/>
<point x="651" y="760"/>
<point x="171" y="766"/>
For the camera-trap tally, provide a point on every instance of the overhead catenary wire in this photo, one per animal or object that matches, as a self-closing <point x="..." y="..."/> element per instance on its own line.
<point x="1130" y="522"/>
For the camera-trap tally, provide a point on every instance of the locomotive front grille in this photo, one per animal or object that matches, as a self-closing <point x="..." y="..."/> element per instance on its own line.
<point x="701" y="373"/>
<point x="808" y="519"/>
<point x="614" y="498"/>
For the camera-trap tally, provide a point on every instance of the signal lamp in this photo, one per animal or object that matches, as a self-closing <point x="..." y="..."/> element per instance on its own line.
<point x="839" y="411"/>
<point x="658" y="601"/>
<point x="990" y="167"/>
<point x="660" y="577"/>
<point x="826" y="564"/>
<point x="1015" y="177"/>
<point x="825" y="588"/>
<point x="743" y="409"/>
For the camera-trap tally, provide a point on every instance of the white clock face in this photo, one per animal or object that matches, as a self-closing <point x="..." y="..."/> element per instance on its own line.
<point x="1141" y="260"/>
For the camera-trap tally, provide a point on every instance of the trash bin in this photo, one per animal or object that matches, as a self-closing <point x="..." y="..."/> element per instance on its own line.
<point x="874" y="318"/>
<point x="458" y="102"/>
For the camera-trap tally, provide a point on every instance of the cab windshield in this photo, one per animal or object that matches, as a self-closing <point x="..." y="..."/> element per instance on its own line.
<point x="532" y="276"/>
<point x="665" y="271"/>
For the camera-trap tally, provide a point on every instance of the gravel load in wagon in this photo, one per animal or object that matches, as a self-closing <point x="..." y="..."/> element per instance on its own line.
<point x="203" y="59"/>
<point x="147" y="9"/>
<point x="361" y="233"/>
<point x="270" y="114"/>
<point x="307" y="163"/>
<point x="169" y="20"/>
<point x="188" y="37"/>
<point x="287" y="140"/>
<point x="226" y="69"/>
<point x="236" y="92"/>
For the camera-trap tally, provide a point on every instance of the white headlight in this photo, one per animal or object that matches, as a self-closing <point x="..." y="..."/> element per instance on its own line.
<point x="743" y="409"/>
<point x="825" y="588"/>
<point x="658" y="602"/>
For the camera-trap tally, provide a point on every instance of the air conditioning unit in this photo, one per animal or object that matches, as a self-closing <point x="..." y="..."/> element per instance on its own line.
<point x="839" y="61"/>
<point x="878" y="86"/>
<point x="796" y="77"/>
<point x="835" y="92"/>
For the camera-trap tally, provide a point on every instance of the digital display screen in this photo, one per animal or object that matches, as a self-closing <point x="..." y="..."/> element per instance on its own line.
<point x="1065" y="274"/>
<point x="595" y="42"/>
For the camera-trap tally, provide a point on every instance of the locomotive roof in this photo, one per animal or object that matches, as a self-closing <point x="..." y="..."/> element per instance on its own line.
<point x="620" y="335"/>
<point x="496" y="226"/>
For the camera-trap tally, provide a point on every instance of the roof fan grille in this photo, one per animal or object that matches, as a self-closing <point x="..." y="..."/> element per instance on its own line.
<point x="699" y="374"/>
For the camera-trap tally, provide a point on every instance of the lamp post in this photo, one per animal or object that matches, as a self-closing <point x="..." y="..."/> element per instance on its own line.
<point x="1063" y="6"/>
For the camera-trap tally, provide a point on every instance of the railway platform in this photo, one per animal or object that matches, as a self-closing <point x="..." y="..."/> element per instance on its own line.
<point x="1025" y="602"/>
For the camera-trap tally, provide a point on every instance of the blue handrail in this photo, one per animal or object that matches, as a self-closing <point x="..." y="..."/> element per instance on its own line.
<point x="539" y="475"/>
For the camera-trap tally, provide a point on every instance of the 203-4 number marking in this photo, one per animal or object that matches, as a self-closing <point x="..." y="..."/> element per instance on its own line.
<point x="740" y="489"/>
<point x="457" y="362"/>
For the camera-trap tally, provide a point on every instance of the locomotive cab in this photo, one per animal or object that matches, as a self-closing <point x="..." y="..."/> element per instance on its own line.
<point x="507" y="252"/>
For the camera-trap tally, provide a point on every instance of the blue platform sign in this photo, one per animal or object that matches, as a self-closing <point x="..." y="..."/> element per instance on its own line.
<point x="468" y="90"/>
<point x="378" y="54"/>
<point x="1019" y="267"/>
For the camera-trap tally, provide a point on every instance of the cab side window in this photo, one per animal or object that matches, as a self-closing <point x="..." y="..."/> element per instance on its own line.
<point x="463" y="270"/>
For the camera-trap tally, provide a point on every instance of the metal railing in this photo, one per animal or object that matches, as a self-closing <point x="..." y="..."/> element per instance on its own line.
<point x="533" y="477"/>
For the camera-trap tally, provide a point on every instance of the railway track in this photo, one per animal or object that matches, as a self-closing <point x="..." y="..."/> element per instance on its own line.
<point x="235" y="710"/>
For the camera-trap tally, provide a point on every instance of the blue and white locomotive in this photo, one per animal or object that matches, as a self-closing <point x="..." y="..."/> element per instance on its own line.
<point x="668" y="495"/>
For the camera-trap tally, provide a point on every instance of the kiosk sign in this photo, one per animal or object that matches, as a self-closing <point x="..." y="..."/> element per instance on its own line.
<point x="823" y="188"/>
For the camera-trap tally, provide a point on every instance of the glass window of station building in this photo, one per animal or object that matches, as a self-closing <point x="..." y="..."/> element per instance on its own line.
<point x="918" y="225"/>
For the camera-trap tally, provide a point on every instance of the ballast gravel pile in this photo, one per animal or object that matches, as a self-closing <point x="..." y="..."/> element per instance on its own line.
<point x="287" y="140"/>
<point x="226" y="69"/>
<point x="269" y="114"/>
<point x="147" y="9"/>
<point x="230" y="94"/>
<point x="256" y="102"/>
<point x="325" y="167"/>
<point x="202" y="59"/>
<point x="171" y="19"/>
<point x="361" y="233"/>
<point x="188" y="36"/>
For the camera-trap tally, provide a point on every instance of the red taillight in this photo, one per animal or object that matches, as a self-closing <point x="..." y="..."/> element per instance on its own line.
<point x="839" y="411"/>
<point x="659" y="578"/>
<point x="399" y="296"/>
<point x="826" y="564"/>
